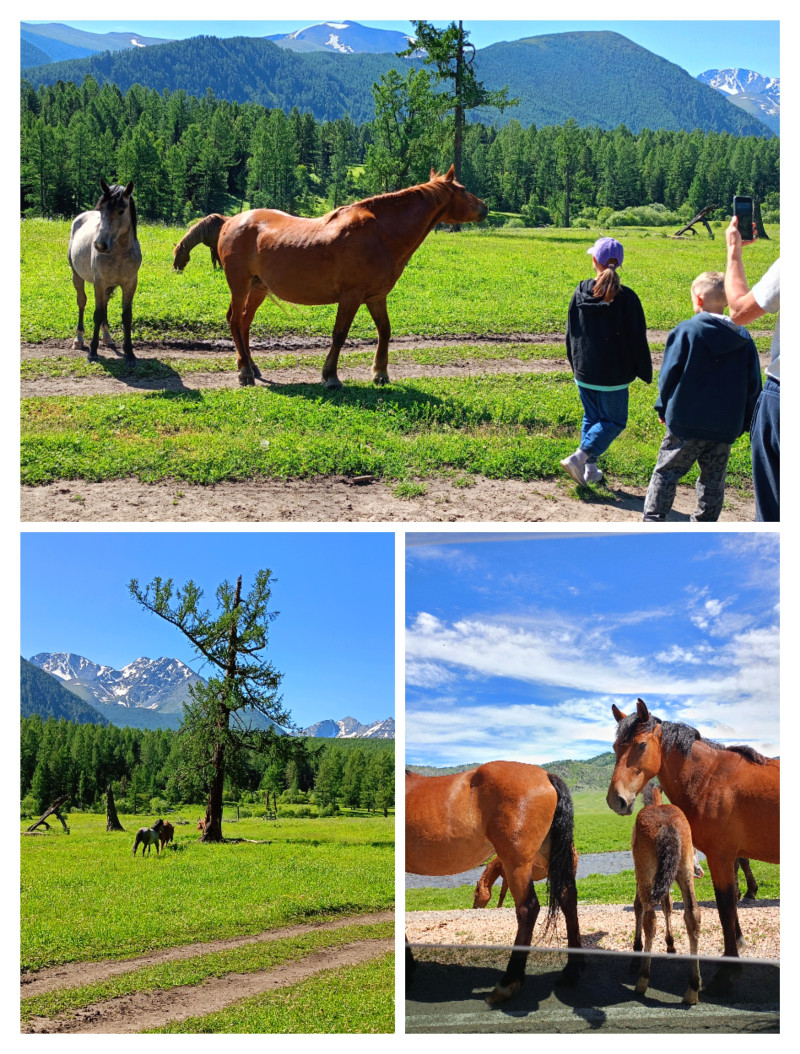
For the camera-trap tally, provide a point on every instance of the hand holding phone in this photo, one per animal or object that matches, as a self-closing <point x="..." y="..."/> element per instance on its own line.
<point x="743" y="211"/>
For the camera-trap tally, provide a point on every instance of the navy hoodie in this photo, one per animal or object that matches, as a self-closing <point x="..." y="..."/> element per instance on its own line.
<point x="607" y="343"/>
<point x="710" y="379"/>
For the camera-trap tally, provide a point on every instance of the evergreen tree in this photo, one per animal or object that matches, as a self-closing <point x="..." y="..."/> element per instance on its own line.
<point x="453" y="57"/>
<point x="215" y="722"/>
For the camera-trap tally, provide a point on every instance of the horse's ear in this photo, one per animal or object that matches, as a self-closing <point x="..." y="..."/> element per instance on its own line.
<point x="642" y="710"/>
<point x="618" y="714"/>
<point x="129" y="189"/>
<point x="433" y="173"/>
<point x="104" y="185"/>
<point x="450" y="174"/>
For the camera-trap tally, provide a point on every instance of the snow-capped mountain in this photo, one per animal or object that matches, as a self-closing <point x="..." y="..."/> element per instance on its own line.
<point x="153" y="684"/>
<point x="346" y="38"/>
<point x="349" y="728"/>
<point x="753" y="92"/>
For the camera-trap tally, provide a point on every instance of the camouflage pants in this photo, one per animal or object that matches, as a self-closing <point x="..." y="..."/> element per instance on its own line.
<point x="675" y="458"/>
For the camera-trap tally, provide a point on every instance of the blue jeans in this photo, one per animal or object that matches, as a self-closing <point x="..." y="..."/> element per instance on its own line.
<point x="605" y="415"/>
<point x="765" y="448"/>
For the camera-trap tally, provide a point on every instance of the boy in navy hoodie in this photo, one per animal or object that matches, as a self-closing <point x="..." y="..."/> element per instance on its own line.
<point x="708" y="386"/>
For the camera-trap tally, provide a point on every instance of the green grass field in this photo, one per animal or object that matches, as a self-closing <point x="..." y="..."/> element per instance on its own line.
<point x="476" y="281"/>
<point x="85" y="896"/>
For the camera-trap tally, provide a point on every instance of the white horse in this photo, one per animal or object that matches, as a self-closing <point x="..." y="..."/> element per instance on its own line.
<point x="104" y="250"/>
<point x="148" y="837"/>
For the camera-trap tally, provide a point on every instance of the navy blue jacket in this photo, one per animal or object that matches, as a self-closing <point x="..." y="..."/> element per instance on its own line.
<point x="607" y="343"/>
<point x="710" y="379"/>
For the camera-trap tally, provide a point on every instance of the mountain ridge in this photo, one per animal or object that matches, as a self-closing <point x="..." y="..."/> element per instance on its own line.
<point x="150" y="693"/>
<point x="551" y="74"/>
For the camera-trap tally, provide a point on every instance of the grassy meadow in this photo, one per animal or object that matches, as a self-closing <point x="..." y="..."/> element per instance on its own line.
<point x="86" y="897"/>
<point x="476" y="282"/>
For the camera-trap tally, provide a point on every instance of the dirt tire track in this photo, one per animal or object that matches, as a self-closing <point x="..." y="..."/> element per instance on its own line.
<point x="73" y="975"/>
<point x="144" y="1010"/>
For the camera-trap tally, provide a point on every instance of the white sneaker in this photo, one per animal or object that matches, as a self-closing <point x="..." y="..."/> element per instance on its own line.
<point x="591" y="473"/>
<point x="574" y="465"/>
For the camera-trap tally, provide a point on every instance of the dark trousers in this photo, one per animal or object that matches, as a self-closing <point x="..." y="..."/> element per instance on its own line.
<point x="765" y="448"/>
<point x="675" y="457"/>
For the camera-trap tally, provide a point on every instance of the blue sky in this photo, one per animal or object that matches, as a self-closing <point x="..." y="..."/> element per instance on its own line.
<point x="516" y="646"/>
<point x="334" y="639"/>
<point x="694" y="45"/>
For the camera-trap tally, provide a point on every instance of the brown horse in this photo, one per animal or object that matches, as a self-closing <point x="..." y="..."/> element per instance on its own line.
<point x="730" y="796"/>
<point x="494" y="870"/>
<point x="522" y="813"/>
<point x="491" y="873"/>
<point x="663" y="853"/>
<point x="204" y="232"/>
<point x="352" y="256"/>
<point x="166" y="834"/>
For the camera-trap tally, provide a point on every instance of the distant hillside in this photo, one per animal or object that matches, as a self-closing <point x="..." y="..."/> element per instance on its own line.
<point x="594" y="774"/>
<point x="57" y="42"/>
<point x="40" y="693"/>
<point x="554" y="77"/>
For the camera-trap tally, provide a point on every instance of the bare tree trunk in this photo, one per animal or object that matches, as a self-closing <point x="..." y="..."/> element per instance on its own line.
<point x="212" y="831"/>
<point x="112" y="820"/>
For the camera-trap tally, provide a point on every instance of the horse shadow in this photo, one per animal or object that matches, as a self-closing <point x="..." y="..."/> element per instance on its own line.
<point x="365" y="397"/>
<point x="147" y="375"/>
<point x="448" y="986"/>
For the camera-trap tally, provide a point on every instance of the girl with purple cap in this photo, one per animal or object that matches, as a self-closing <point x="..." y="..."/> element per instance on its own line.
<point x="607" y="350"/>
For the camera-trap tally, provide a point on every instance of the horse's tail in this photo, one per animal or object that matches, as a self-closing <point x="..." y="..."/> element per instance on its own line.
<point x="204" y="232"/>
<point x="560" y="866"/>
<point x="136" y="843"/>
<point x="668" y="857"/>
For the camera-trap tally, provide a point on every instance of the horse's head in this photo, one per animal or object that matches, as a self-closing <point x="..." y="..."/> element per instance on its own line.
<point x="117" y="216"/>
<point x="158" y="825"/>
<point x="461" y="207"/>
<point x="638" y="751"/>
<point x="180" y="257"/>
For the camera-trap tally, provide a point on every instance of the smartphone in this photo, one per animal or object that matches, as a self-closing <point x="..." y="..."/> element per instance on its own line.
<point x="743" y="208"/>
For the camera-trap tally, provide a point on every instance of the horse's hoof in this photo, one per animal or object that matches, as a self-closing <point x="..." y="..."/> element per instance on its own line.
<point x="641" y="985"/>
<point x="692" y="997"/>
<point x="380" y="378"/>
<point x="332" y="383"/>
<point x="502" y="993"/>
<point x="570" y="976"/>
<point x="92" y="357"/>
<point x="246" y="381"/>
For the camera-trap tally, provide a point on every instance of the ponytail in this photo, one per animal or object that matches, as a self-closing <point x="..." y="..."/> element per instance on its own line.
<point x="607" y="283"/>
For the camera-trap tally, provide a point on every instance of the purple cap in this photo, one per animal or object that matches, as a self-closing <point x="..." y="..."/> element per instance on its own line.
<point x="604" y="248"/>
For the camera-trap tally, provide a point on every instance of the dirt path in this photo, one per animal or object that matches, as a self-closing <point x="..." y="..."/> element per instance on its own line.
<point x="329" y="499"/>
<point x="140" y="1011"/>
<point x="337" y="498"/>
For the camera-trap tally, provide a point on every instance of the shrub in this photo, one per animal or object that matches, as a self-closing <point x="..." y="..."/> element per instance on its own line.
<point x="329" y="810"/>
<point x="28" y="808"/>
<point x="514" y="222"/>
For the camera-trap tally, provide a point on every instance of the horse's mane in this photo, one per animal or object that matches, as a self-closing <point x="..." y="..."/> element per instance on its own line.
<point x="115" y="193"/>
<point x="677" y="736"/>
<point x="206" y="228"/>
<point x="434" y="190"/>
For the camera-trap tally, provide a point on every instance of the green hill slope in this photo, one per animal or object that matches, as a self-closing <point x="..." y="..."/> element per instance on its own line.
<point x="554" y="77"/>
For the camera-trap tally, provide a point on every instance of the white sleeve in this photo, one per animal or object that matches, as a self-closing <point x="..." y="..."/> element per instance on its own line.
<point x="767" y="291"/>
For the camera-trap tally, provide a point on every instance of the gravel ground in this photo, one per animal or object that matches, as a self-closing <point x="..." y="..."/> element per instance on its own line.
<point x="606" y="926"/>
